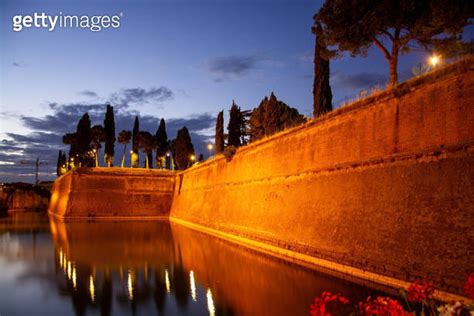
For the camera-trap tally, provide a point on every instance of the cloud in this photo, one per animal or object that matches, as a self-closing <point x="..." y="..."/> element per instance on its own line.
<point x="19" y="152"/>
<point x="89" y="93"/>
<point x="233" y="67"/>
<point x="17" y="64"/>
<point x="141" y="96"/>
<point x="362" y="80"/>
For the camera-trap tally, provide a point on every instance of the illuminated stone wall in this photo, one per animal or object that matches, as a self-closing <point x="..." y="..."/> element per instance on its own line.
<point x="115" y="193"/>
<point x="384" y="185"/>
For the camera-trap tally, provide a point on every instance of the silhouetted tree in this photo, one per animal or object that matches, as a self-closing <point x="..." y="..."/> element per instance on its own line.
<point x="272" y="116"/>
<point x="98" y="136"/>
<point x="109" y="126"/>
<point x="83" y="133"/>
<point x="201" y="158"/>
<point x="71" y="140"/>
<point x="322" y="95"/>
<point x="59" y="163"/>
<point x="147" y="143"/>
<point x="162" y="146"/>
<point x="135" y="159"/>
<point x="184" y="149"/>
<point x="219" y="140"/>
<point x="236" y="126"/>
<point x="124" y="138"/>
<point x="354" y="26"/>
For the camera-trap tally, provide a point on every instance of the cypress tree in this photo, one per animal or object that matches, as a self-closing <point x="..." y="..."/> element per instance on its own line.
<point x="162" y="144"/>
<point x="219" y="140"/>
<point x="83" y="134"/>
<point x="184" y="149"/>
<point x="135" y="156"/>
<point x="236" y="127"/>
<point x="59" y="163"/>
<point x="109" y="126"/>
<point x="322" y="95"/>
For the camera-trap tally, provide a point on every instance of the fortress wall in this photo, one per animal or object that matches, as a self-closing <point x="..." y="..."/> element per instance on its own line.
<point x="102" y="193"/>
<point x="384" y="185"/>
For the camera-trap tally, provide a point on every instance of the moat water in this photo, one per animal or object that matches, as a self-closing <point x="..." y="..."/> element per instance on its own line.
<point x="148" y="268"/>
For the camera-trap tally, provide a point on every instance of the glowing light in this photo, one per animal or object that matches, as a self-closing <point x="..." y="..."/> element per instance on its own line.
<point x="130" y="285"/>
<point x="131" y="152"/>
<point x="167" y="154"/>
<point x="61" y="258"/>
<point x="72" y="158"/>
<point x="69" y="270"/>
<point x="92" y="288"/>
<point x="74" y="277"/>
<point x="94" y="150"/>
<point x="434" y="60"/>
<point x="209" y="146"/>
<point x="210" y="303"/>
<point x="64" y="263"/>
<point x="192" y="285"/>
<point x="167" y="282"/>
<point x="192" y="157"/>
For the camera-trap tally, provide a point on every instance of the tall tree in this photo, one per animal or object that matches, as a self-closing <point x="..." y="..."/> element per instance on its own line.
<point x="124" y="138"/>
<point x="147" y="143"/>
<point x="219" y="140"/>
<point x="71" y="140"/>
<point x="83" y="133"/>
<point x="59" y="163"/>
<point x="109" y="126"/>
<point x="162" y="145"/>
<point x="184" y="149"/>
<point x="236" y="126"/>
<point x="135" y="157"/>
<point x="393" y="25"/>
<point x="272" y="116"/>
<point x="98" y="136"/>
<point x="322" y="95"/>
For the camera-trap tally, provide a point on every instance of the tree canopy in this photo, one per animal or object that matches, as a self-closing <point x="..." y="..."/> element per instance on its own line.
<point x="322" y="94"/>
<point x="219" y="138"/>
<point x="272" y="116"/>
<point x="236" y="126"/>
<point x="147" y="143"/>
<point x="83" y="134"/>
<point x="393" y="26"/>
<point x="161" y="140"/>
<point x="109" y="127"/>
<point x="184" y="149"/>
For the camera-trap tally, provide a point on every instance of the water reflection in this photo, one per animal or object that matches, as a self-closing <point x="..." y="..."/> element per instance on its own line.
<point x="130" y="268"/>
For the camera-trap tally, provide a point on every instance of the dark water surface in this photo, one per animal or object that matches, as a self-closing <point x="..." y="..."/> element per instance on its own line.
<point x="147" y="268"/>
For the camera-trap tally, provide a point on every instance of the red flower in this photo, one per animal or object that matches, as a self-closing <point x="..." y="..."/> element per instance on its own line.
<point x="381" y="306"/>
<point x="419" y="292"/>
<point x="319" y="308"/>
<point x="469" y="286"/>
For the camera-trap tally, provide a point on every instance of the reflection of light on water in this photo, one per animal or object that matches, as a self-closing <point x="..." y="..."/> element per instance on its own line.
<point x="74" y="279"/>
<point x="91" y="288"/>
<point x="61" y="258"/>
<point x="192" y="285"/>
<point x="130" y="285"/>
<point x="64" y="263"/>
<point x="210" y="303"/>
<point x="69" y="270"/>
<point x="167" y="281"/>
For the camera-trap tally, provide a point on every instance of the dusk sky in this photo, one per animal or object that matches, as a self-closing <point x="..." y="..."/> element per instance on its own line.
<point x="179" y="60"/>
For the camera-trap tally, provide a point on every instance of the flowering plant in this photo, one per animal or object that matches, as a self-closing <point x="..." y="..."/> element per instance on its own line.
<point x="419" y="292"/>
<point x="319" y="307"/>
<point x="382" y="306"/>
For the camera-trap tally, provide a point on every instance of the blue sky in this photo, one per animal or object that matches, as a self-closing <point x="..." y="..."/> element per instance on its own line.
<point x="180" y="60"/>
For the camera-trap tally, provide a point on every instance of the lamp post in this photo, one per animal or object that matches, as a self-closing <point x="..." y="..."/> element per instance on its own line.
<point x="209" y="147"/>
<point x="131" y="158"/>
<point x="192" y="158"/>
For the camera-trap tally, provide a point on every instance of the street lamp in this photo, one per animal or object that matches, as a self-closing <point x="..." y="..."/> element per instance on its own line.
<point x="434" y="60"/>
<point x="209" y="147"/>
